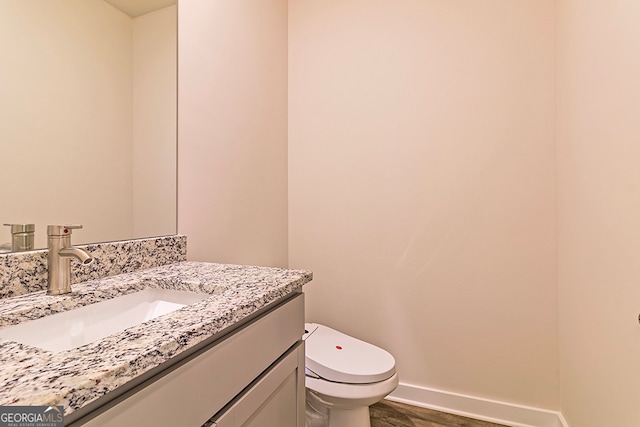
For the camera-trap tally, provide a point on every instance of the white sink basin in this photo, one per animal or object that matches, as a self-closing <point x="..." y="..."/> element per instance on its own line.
<point x="75" y="328"/>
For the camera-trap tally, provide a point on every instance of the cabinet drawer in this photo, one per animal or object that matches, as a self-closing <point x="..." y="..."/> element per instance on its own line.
<point x="191" y="393"/>
<point x="277" y="399"/>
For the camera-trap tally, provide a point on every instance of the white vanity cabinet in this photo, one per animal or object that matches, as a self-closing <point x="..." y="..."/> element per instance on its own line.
<point x="252" y="376"/>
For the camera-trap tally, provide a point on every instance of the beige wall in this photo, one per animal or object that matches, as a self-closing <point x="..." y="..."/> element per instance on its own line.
<point x="422" y="186"/>
<point x="154" y="122"/>
<point x="599" y="211"/>
<point x="422" y="182"/>
<point x="232" y="128"/>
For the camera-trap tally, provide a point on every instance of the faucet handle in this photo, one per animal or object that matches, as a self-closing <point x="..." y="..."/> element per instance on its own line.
<point x="61" y="230"/>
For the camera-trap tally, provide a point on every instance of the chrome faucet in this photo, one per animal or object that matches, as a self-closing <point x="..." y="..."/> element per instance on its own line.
<point x="22" y="236"/>
<point x="60" y="250"/>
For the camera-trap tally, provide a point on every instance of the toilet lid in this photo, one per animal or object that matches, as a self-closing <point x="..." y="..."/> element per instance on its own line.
<point x="337" y="357"/>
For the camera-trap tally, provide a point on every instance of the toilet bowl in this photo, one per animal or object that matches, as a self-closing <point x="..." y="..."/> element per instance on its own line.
<point x="344" y="376"/>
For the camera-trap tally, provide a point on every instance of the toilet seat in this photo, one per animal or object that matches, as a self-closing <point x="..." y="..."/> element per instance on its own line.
<point x="340" y="358"/>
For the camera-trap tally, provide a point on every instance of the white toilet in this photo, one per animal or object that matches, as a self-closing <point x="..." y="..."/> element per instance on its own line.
<point x="343" y="377"/>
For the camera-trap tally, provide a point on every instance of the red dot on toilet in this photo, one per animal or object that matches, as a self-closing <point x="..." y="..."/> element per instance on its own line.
<point x="339" y="347"/>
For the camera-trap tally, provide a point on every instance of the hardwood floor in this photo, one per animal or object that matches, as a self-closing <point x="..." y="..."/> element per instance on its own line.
<point x="392" y="414"/>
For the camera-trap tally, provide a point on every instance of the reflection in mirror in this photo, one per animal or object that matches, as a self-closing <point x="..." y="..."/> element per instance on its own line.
<point x="88" y="107"/>
<point x="22" y="238"/>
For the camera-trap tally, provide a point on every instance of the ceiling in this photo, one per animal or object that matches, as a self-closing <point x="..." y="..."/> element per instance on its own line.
<point x="135" y="8"/>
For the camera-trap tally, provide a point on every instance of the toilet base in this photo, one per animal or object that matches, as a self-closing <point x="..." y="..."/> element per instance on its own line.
<point x="320" y="415"/>
<point x="355" y="417"/>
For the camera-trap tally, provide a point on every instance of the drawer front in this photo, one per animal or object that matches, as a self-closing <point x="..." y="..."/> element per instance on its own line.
<point x="190" y="394"/>
<point x="277" y="399"/>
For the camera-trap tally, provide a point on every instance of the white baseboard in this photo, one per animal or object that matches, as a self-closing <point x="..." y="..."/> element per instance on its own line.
<point x="478" y="408"/>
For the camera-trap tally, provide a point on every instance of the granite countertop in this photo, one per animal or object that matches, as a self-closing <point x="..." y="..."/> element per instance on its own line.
<point x="73" y="378"/>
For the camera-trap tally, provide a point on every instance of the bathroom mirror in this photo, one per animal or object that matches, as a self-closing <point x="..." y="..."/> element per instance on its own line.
<point x="88" y="106"/>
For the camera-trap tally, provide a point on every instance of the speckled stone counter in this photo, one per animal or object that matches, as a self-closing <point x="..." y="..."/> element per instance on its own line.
<point x="74" y="378"/>
<point x="26" y="272"/>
